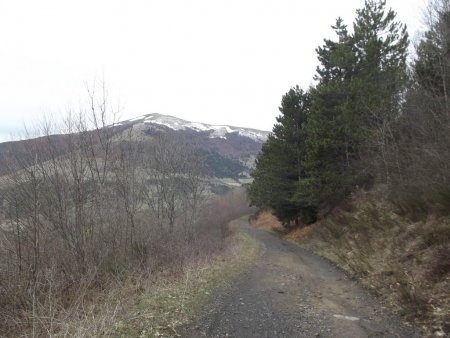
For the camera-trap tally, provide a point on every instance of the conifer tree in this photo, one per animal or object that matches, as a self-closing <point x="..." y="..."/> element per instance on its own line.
<point x="279" y="165"/>
<point x="381" y="43"/>
<point x="361" y="79"/>
<point x="325" y="140"/>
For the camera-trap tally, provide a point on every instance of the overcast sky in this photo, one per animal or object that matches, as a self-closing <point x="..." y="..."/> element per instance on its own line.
<point x="213" y="61"/>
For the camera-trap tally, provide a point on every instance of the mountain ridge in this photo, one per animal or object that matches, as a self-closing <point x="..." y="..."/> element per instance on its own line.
<point x="215" y="131"/>
<point x="228" y="151"/>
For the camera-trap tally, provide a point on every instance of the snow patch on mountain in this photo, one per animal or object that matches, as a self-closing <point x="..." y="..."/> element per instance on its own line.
<point x="215" y="131"/>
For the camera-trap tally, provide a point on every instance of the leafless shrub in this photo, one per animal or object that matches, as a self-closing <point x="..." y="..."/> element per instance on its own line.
<point x="92" y="206"/>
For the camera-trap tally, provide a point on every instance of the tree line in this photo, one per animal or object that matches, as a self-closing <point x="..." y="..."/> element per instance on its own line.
<point x="370" y="118"/>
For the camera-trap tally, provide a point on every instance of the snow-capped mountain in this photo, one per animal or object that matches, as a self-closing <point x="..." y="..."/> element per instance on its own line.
<point x="214" y="131"/>
<point x="228" y="152"/>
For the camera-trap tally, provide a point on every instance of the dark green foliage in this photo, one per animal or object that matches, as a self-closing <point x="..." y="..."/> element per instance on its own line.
<point x="361" y="78"/>
<point x="337" y="58"/>
<point x="279" y="165"/>
<point x="365" y="122"/>
<point x="317" y="152"/>
<point x="221" y="167"/>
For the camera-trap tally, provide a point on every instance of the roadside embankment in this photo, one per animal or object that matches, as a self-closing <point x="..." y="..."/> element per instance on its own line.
<point x="406" y="263"/>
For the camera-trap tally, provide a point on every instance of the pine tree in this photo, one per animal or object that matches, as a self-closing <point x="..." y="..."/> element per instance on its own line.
<point x="361" y="79"/>
<point x="381" y="43"/>
<point x="329" y="132"/>
<point x="279" y="165"/>
<point x="315" y="153"/>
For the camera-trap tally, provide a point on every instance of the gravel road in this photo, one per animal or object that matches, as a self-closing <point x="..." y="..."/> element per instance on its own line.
<point x="289" y="292"/>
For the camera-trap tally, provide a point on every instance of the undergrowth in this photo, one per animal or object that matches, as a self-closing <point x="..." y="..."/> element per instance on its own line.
<point x="143" y="305"/>
<point x="161" y="310"/>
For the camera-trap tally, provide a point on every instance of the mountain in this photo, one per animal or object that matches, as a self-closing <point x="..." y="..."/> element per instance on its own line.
<point x="213" y="131"/>
<point x="229" y="151"/>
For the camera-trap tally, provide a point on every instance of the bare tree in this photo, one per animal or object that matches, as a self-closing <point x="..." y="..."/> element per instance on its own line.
<point x="82" y="202"/>
<point x="176" y="180"/>
<point x="129" y="180"/>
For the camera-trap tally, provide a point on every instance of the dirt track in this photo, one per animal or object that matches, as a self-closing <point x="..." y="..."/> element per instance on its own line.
<point x="289" y="292"/>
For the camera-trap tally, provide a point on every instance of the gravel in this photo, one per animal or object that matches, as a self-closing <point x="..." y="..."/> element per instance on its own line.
<point x="289" y="292"/>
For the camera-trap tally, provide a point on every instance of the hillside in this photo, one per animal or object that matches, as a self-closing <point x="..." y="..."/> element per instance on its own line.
<point x="229" y="152"/>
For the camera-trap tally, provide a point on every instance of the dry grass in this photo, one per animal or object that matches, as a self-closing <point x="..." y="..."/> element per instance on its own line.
<point x="300" y="234"/>
<point x="405" y="262"/>
<point x="88" y="303"/>
<point x="160" y="310"/>
<point x="265" y="220"/>
<point x="143" y="305"/>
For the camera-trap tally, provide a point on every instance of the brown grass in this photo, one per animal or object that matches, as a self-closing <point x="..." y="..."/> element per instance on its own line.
<point x="300" y="234"/>
<point x="86" y="304"/>
<point x="405" y="262"/>
<point x="267" y="221"/>
<point x="162" y="308"/>
<point x="141" y="305"/>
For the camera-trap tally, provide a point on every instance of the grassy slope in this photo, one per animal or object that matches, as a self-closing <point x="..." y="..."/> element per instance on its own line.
<point x="406" y="263"/>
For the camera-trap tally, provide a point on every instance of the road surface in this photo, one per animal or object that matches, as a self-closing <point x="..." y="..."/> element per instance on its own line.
<point x="289" y="292"/>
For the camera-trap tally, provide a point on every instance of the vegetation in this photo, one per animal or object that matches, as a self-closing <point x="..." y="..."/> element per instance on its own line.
<point x="364" y="122"/>
<point x="279" y="166"/>
<point x="406" y="264"/>
<point x="364" y="153"/>
<point x="221" y="166"/>
<point x="163" y="308"/>
<point x="372" y="153"/>
<point x="83" y="213"/>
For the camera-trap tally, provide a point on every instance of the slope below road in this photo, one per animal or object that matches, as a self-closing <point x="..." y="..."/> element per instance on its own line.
<point x="289" y="292"/>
